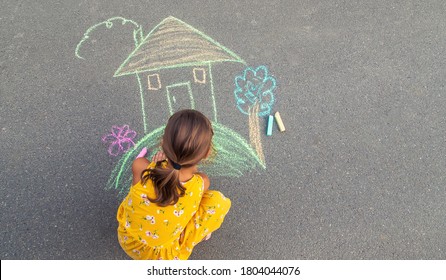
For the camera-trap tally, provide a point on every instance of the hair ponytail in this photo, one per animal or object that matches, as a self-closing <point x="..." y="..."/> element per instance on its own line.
<point x="168" y="188"/>
<point x="186" y="141"/>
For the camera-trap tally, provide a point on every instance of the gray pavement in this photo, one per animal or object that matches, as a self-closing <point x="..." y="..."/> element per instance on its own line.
<point x="358" y="174"/>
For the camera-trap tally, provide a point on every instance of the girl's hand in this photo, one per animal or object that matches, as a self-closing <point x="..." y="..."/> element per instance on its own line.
<point x="159" y="156"/>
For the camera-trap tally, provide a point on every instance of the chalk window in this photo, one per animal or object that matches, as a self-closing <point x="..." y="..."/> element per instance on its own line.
<point x="154" y="81"/>
<point x="200" y="75"/>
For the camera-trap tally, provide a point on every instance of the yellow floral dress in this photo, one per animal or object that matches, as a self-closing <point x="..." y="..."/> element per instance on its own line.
<point x="148" y="231"/>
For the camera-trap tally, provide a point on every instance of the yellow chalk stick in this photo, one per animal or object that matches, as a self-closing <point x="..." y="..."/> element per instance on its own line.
<point x="279" y="122"/>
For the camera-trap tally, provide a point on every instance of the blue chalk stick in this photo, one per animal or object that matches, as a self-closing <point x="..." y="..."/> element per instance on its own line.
<point x="269" y="131"/>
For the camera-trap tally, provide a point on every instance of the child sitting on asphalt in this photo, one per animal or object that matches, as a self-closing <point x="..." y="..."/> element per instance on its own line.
<point x="169" y="208"/>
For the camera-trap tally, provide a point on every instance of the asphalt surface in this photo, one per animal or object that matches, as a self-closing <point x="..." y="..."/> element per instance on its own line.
<point x="358" y="174"/>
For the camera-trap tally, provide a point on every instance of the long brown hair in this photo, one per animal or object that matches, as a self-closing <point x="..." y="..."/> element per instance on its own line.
<point x="187" y="139"/>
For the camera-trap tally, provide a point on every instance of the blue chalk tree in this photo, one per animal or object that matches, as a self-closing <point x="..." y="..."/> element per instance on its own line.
<point x="254" y="95"/>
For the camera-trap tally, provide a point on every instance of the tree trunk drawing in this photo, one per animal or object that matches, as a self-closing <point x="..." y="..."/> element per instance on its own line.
<point x="254" y="131"/>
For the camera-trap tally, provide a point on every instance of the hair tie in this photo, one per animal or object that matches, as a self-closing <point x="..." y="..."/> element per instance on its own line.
<point x="175" y="165"/>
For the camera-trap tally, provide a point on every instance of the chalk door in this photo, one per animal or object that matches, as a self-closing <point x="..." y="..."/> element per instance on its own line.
<point x="179" y="96"/>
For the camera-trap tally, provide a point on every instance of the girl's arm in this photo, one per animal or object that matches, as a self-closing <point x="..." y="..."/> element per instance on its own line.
<point x="140" y="164"/>
<point x="206" y="180"/>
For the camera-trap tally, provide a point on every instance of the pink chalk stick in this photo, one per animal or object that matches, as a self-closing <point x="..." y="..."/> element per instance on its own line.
<point x="142" y="153"/>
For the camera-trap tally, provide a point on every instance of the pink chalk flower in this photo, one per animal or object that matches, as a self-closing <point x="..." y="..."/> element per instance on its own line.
<point x="120" y="139"/>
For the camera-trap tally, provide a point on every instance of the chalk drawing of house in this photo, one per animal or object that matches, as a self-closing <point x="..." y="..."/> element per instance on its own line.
<point x="176" y="60"/>
<point x="179" y="47"/>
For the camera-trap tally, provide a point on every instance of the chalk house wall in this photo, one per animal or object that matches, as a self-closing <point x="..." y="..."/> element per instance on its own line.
<point x="163" y="84"/>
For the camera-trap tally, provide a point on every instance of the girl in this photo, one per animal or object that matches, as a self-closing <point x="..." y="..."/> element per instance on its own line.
<point x="169" y="208"/>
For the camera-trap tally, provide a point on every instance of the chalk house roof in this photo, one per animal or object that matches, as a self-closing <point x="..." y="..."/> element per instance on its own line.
<point x="173" y="43"/>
